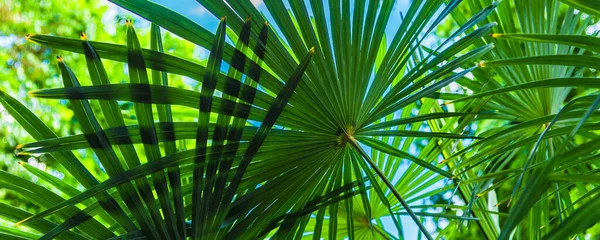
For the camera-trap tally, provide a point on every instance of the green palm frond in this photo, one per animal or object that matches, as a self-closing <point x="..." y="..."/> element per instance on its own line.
<point x="587" y="6"/>
<point x="534" y="78"/>
<point x="303" y="126"/>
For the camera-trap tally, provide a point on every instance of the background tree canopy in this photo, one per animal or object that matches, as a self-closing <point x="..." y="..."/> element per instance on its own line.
<point x="455" y="119"/>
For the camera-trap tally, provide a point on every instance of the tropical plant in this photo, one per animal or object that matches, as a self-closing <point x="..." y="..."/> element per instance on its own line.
<point x="540" y="87"/>
<point x="315" y="125"/>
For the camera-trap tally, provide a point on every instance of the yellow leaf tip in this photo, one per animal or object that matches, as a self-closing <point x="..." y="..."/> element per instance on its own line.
<point x="31" y="93"/>
<point x="248" y="19"/>
<point x="128" y="23"/>
<point x="223" y="18"/>
<point x="266" y="23"/>
<point x="83" y="36"/>
<point x="23" y="153"/>
<point x="19" y="223"/>
<point x="59" y="59"/>
<point x="481" y="64"/>
<point x="496" y="35"/>
<point x="19" y="146"/>
<point x="21" y="163"/>
<point x="312" y="50"/>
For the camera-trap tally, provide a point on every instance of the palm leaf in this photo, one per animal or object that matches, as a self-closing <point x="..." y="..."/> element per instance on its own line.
<point x="279" y="117"/>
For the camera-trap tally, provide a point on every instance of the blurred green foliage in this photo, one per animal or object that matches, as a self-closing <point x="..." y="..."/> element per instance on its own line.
<point x="26" y="66"/>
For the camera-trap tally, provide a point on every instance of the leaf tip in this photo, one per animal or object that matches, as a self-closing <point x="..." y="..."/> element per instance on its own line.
<point x="22" y="153"/>
<point x="31" y="93"/>
<point x="59" y="59"/>
<point x="83" y="36"/>
<point x="496" y="35"/>
<point x="248" y="19"/>
<point x="266" y="24"/>
<point x="21" y="163"/>
<point x="128" y="23"/>
<point x="481" y="64"/>
<point x="19" y="223"/>
<point x="28" y="37"/>
<point x="312" y="50"/>
<point x="223" y="18"/>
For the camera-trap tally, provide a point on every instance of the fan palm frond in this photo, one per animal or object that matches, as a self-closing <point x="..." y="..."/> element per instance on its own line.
<point x="302" y="123"/>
